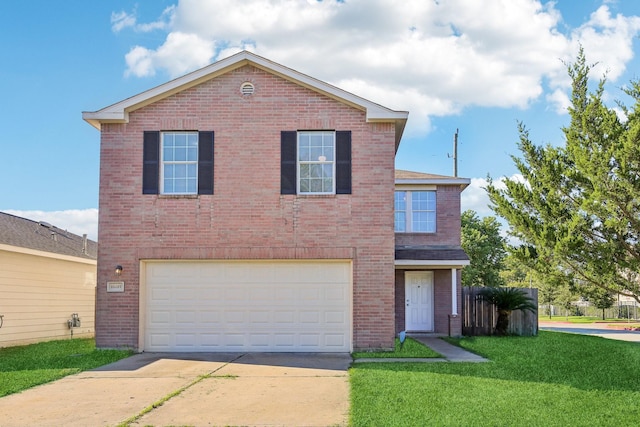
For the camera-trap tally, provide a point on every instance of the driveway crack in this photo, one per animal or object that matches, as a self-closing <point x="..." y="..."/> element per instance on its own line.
<point x="129" y="421"/>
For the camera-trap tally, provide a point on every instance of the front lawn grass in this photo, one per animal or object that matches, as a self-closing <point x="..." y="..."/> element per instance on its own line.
<point x="410" y="349"/>
<point x="553" y="379"/>
<point x="26" y="366"/>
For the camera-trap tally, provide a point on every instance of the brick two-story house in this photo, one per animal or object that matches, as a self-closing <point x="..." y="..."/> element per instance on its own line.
<point x="249" y="207"/>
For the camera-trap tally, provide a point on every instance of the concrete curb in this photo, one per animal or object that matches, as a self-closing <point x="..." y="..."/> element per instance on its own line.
<point x="400" y="360"/>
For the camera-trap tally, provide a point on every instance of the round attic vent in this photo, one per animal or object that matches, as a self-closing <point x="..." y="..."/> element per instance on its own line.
<point x="247" y="88"/>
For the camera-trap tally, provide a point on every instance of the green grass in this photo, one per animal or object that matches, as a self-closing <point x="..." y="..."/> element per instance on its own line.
<point x="411" y="348"/>
<point x="26" y="366"/>
<point x="553" y="379"/>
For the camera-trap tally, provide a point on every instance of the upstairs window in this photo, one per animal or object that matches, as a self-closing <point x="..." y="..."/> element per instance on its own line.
<point x="415" y="211"/>
<point x="179" y="163"/>
<point x="315" y="162"/>
<point x="316" y="166"/>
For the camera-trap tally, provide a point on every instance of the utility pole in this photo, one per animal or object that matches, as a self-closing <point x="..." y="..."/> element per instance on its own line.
<point x="455" y="154"/>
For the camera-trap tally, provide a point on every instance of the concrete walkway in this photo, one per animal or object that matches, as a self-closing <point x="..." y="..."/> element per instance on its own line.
<point x="449" y="352"/>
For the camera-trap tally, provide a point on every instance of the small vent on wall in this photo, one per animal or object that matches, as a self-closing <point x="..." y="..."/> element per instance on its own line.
<point x="247" y="88"/>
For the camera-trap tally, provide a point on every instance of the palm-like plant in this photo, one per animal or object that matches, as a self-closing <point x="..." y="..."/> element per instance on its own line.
<point x="507" y="300"/>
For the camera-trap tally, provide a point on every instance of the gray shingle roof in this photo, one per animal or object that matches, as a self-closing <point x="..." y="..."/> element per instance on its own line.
<point x="41" y="236"/>
<point x="432" y="253"/>
<point x="404" y="174"/>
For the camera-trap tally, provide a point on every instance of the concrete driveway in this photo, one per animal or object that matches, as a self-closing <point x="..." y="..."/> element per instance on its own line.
<point x="195" y="389"/>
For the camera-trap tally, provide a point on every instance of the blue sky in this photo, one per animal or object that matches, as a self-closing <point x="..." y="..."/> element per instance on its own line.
<point x="478" y="66"/>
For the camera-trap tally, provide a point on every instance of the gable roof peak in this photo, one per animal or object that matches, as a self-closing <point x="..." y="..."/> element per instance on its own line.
<point x="119" y="112"/>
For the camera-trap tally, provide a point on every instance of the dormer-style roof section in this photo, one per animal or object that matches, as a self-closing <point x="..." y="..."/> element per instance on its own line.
<point x="119" y="112"/>
<point x="404" y="177"/>
<point x="17" y="232"/>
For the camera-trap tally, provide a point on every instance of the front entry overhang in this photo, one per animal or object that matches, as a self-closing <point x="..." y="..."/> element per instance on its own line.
<point x="430" y="257"/>
<point x="434" y="258"/>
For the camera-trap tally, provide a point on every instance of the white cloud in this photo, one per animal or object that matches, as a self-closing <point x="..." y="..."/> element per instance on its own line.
<point x="77" y="221"/>
<point x="121" y="20"/>
<point x="180" y="54"/>
<point x="140" y="62"/>
<point x="475" y="197"/>
<point x="559" y="101"/>
<point x="431" y="58"/>
<point x="183" y="52"/>
<point x="608" y="40"/>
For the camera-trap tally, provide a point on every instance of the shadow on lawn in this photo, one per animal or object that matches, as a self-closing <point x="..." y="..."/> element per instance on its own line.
<point x="583" y="362"/>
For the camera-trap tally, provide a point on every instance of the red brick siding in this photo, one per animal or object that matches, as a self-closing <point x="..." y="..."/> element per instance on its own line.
<point x="447" y="221"/>
<point x="247" y="218"/>
<point x="400" y="303"/>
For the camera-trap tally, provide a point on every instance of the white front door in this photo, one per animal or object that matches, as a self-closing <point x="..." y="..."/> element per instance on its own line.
<point x="418" y="292"/>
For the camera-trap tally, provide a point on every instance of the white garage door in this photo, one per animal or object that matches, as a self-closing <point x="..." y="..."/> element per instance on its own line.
<point x="270" y="306"/>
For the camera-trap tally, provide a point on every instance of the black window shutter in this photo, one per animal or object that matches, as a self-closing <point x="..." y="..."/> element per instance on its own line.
<point x="288" y="153"/>
<point x="205" y="162"/>
<point x="343" y="162"/>
<point x="151" y="162"/>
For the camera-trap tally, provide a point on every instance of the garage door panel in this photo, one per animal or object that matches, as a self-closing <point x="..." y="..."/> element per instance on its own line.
<point x="209" y="340"/>
<point x="260" y="317"/>
<point x="160" y="294"/>
<point x="334" y="340"/>
<point x="160" y="318"/>
<point x="186" y="318"/>
<point x="282" y="316"/>
<point x="310" y="340"/>
<point x="248" y="306"/>
<point x="285" y="295"/>
<point x="160" y="340"/>
<point x="209" y="319"/>
<point x="336" y="317"/>
<point x="335" y="293"/>
<point x="233" y="316"/>
<point x="309" y="317"/>
<point x="284" y="340"/>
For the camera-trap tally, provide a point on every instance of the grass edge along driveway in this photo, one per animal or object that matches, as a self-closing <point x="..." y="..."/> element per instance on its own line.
<point x="26" y="366"/>
<point x="553" y="379"/>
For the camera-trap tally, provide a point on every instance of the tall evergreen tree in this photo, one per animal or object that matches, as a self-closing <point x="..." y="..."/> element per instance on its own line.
<point x="486" y="248"/>
<point x="577" y="211"/>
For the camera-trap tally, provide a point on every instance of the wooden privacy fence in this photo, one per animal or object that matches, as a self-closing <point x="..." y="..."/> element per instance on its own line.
<point x="479" y="316"/>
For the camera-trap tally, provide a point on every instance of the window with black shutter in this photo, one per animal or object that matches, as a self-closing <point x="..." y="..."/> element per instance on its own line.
<point x="315" y="162"/>
<point x="288" y="153"/>
<point x="151" y="163"/>
<point x="343" y="162"/>
<point x="177" y="163"/>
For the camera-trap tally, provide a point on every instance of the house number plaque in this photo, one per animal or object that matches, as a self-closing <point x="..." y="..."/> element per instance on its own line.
<point x="115" y="286"/>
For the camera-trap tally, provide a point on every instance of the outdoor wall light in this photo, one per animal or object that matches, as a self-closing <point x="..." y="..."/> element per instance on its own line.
<point x="118" y="270"/>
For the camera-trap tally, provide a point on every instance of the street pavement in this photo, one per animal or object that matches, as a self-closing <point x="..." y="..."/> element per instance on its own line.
<point x="595" y="329"/>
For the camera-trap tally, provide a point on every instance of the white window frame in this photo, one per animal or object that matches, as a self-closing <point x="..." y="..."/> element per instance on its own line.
<point x="164" y="162"/>
<point x="320" y="161"/>
<point x="409" y="228"/>
<point x="396" y="211"/>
